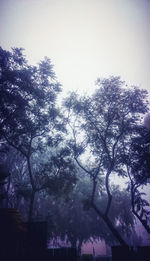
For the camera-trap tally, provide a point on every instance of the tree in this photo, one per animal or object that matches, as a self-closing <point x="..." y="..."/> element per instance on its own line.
<point x="4" y="173"/>
<point x="29" y="117"/>
<point x="138" y="169"/>
<point x="102" y="127"/>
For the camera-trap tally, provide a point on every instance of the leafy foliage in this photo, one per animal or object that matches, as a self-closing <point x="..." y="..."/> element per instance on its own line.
<point x="138" y="167"/>
<point x="27" y="103"/>
<point x="30" y="122"/>
<point x="102" y="127"/>
<point x="140" y="155"/>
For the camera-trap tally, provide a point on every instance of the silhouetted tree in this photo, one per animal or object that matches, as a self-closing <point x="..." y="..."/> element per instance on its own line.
<point x="138" y="169"/>
<point x="102" y="126"/>
<point x="29" y="118"/>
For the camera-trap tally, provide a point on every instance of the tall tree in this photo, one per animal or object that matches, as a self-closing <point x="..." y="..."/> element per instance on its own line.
<point x="29" y="117"/>
<point x="102" y="127"/>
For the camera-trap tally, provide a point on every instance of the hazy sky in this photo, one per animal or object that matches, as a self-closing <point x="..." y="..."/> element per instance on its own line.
<point x="85" y="39"/>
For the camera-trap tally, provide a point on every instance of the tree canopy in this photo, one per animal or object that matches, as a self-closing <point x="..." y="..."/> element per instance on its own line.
<point x="70" y="154"/>
<point x="28" y="96"/>
<point x="102" y="127"/>
<point x="30" y="120"/>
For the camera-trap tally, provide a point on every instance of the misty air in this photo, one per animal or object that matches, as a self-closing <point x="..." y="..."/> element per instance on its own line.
<point x="74" y="130"/>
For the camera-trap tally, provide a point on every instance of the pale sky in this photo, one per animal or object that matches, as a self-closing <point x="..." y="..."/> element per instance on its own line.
<point x="85" y="39"/>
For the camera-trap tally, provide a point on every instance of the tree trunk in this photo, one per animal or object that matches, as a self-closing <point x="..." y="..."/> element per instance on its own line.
<point x="143" y="221"/>
<point x="73" y="242"/>
<point x="8" y="187"/>
<point x="31" y="205"/>
<point x="79" y="247"/>
<point x="110" y="226"/>
<point x="30" y="173"/>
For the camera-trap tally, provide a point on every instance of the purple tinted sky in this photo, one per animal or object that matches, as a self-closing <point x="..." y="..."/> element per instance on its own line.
<point x="85" y="39"/>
